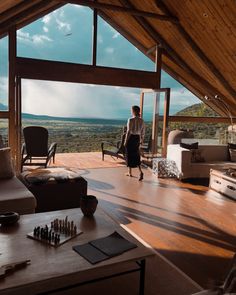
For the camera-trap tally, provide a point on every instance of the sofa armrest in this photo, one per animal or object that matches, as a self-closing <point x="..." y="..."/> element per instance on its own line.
<point x="181" y="156"/>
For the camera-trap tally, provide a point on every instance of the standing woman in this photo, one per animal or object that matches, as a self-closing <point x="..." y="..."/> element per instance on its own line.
<point x="134" y="137"/>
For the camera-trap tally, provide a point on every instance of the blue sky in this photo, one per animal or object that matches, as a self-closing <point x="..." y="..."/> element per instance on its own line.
<point x="66" y="35"/>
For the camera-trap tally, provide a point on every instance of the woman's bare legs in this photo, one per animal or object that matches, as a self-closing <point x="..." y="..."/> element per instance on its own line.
<point x="129" y="173"/>
<point x="141" y="173"/>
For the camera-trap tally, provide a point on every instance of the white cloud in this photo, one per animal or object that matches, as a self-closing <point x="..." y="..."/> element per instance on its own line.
<point x="63" y="26"/>
<point x="81" y="100"/>
<point x="77" y="100"/>
<point x="78" y="6"/>
<point x="100" y="38"/>
<point x="116" y="35"/>
<point x="56" y="19"/>
<point x="45" y="29"/>
<point x="109" y="50"/>
<point x="3" y="90"/>
<point x="46" y="19"/>
<point x="37" y="39"/>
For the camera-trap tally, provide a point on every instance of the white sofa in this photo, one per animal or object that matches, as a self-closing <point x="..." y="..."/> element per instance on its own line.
<point x="14" y="196"/>
<point x="216" y="157"/>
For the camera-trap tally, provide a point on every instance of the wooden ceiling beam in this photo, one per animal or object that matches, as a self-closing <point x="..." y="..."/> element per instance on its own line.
<point x="209" y="89"/>
<point x="196" y="91"/>
<point x="116" y="8"/>
<point x="158" y="39"/>
<point x="162" y="6"/>
<point x="28" y="68"/>
<point x="11" y="12"/>
<point x="6" y="25"/>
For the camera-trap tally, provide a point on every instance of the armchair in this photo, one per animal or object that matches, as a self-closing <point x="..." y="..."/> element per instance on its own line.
<point x="36" y="147"/>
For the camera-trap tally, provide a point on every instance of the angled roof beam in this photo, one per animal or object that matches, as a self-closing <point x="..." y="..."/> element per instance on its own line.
<point x="162" y="6"/>
<point x="175" y="57"/>
<point x="133" y="11"/>
<point x="9" y="13"/>
<point x="20" y="17"/>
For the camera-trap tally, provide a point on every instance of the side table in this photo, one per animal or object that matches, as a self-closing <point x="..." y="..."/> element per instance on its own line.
<point x="222" y="182"/>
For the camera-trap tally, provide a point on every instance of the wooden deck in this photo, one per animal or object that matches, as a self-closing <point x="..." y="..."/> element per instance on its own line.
<point x="190" y="225"/>
<point x="87" y="160"/>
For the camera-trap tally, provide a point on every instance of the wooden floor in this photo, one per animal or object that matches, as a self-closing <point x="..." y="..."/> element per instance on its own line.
<point x="87" y="160"/>
<point x="191" y="226"/>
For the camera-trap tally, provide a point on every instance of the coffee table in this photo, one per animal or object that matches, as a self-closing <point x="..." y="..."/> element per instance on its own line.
<point x="224" y="182"/>
<point x="57" y="269"/>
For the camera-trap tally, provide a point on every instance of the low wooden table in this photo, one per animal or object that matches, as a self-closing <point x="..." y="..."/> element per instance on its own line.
<point x="222" y="182"/>
<point x="57" y="269"/>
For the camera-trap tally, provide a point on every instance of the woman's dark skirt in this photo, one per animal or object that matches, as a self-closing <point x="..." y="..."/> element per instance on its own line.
<point x="132" y="151"/>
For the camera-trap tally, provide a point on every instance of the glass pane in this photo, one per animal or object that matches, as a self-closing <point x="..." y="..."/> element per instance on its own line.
<point x="180" y="97"/>
<point x="148" y="109"/>
<point x="3" y="132"/>
<point x="160" y="123"/>
<point x="197" y="110"/>
<point x="63" y="35"/>
<point x="113" y="50"/>
<point x="205" y="133"/>
<point x="148" y="118"/>
<point x="4" y="74"/>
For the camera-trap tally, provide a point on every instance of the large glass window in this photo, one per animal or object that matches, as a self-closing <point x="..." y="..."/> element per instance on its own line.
<point x="63" y="35"/>
<point x="180" y="97"/>
<point x="4" y="74"/>
<point x="204" y="133"/>
<point x="113" y="50"/>
<point x="3" y="132"/>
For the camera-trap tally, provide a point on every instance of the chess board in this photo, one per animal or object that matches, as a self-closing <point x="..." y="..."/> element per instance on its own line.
<point x="58" y="232"/>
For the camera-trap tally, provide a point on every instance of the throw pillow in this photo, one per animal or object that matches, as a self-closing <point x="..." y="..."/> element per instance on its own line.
<point x="192" y="146"/>
<point x="196" y="156"/>
<point x="232" y="151"/>
<point x="6" y="167"/>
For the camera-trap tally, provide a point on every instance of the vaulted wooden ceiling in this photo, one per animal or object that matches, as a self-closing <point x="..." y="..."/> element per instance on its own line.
<point x="199" y="45"/>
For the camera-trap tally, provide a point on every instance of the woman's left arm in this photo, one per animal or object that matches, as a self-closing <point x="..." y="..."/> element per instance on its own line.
<point x="142" y="133"/>
<point x="127" y="132"/>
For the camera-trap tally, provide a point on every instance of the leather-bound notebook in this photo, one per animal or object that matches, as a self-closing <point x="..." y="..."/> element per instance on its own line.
<point x="90" y="253"/>
<point x="104" y="248"/>
<point x="113" y="245"/>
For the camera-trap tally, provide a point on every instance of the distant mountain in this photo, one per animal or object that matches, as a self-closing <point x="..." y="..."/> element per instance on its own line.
<point x="3" y="107"/>
<point x="99" y="121"/>
<point x="197" y="110"/>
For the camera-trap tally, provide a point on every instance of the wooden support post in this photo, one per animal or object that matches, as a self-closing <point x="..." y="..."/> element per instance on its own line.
<point x="18" y="124"/>
<point x="141" y="103"/>
<point x="165" y="123"/>
<point x="156" y="106"/>
<point x="12" y="90"/>
<point x="95" y="30"/>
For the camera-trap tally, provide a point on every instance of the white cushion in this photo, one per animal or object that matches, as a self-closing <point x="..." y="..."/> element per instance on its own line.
<point x="232" y="153"/>
<point x="14" y="196"/>
<point x="6" y="167"/>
